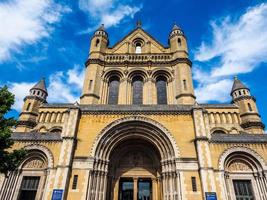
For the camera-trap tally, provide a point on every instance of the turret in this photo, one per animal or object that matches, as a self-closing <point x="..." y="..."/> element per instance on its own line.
<point x="177" y="42"/>
<point x="250" y="118"/>
<point x="28" y="116"/>
<point x="182" y="69"/>
<point x="99" y="42"/>
<point x="91" y="85"/>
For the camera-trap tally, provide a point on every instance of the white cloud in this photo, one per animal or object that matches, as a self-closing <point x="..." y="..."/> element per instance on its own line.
<point x="76" y="76"/>
<point x="20" y="90"/>
<point x="108" y="12"/>
<point x="237" y="46"/>
<point x="62" y="87"/>
<point x="26" y="22"/>
<point x="65" y="87"/>
<point x="217" y="91"/>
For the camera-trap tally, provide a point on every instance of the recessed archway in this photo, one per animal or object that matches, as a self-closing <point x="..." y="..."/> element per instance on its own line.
<point x="138" y="149"/>
<point x="243" y="171"/>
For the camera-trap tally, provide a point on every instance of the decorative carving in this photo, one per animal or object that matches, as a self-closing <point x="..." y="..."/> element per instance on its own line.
<point x="45" y="150"/>
<point x="231" y="150"/>
<point x="239" y="166"/>
<point x="35" y="163"/>
<point x="164" y="132"/>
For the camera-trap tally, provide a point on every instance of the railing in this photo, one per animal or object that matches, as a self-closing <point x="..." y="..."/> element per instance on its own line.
<point x="138" y="57"/>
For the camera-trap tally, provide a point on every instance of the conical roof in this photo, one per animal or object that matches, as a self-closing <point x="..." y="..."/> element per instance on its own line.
<point x="176" y="30"/>
<point x="40" y="85"/>
<point x="175" y="27"/>
<point x="101" y="28"/>
<point x="238" y="85"/>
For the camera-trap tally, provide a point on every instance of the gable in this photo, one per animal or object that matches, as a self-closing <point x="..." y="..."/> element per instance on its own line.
<point x="128" y="43"/>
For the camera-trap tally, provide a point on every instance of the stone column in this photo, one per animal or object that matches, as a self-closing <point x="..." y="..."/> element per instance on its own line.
<point x="203" y="152"/>
<point x="228" y="185"/>
<point x="66" y="152"/>
<point x="123" y="91"/>
<point x="258" y="185"/>
<point x="154" y="189"/>
<point x="135" y="179"/>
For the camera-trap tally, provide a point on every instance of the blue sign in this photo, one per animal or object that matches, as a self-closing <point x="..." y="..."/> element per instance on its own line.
<point x="57" y="194"/>
<point x="211" y="196"/>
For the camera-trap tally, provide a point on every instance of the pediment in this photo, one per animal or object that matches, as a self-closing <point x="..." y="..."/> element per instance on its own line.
<point x="126" y="44"/>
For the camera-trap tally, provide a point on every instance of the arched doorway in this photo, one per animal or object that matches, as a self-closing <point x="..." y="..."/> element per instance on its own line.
<point x="134" y="171"/>
<point x="29" y="180"/>
<point x="134" y="160"/>
<point x="244" y="175"/>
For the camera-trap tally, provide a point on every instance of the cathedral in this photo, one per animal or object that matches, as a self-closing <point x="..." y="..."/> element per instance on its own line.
<point x="138" y="132"/>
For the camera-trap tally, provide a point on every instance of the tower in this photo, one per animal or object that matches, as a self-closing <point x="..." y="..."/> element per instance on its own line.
<point x="250" y="118"/>
<point x="92" y="81"/>
<point x="182" y="67"/>
<point x="28" y="116"/>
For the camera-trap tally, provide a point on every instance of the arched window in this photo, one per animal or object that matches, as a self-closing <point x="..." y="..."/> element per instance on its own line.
<point x="97" y="42"/>
<point x="179" y="42"/>
<point x="137" y="88"/>
<point x="28" y="107"/>
<point x="113" y="90"/>
<point x="249" y="107"/>
<point x="239" y="92"/>
<point x="161" y="85"/>
<point x="138" y="48"/>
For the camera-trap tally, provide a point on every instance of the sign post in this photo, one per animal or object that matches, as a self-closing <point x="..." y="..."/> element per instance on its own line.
<point x="211" y="196"/>
<point x="57" y="194"/>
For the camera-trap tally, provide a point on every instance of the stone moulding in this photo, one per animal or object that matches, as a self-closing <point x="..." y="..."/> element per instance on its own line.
<point x="122" y="62"/>
<point x="234" y="149"/>
<point x="252" y="124"/>
<point x="154" y="123"/>
<point x="135" y="110"/>
<point x="44" y="150"/>
<point x="36" y="136"/>
<point x="238" y="138"/>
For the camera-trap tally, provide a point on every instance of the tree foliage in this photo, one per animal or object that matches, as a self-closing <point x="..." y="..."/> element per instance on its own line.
<point x="9" y="160"/>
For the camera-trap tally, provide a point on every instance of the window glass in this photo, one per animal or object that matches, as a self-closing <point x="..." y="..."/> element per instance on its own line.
<point x="137" y="86"/>
<point x="161" y="85"/>
<point x="113" y="91"/>
<point x="138" y="48"/>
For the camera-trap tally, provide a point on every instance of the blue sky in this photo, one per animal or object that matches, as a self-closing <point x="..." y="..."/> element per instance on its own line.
<point x="50" y="38"/>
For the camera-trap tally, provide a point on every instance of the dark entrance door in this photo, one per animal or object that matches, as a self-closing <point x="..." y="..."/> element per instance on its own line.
<point x="243" y="190"/>
<point x="144" y="189"/>
<point x="126" y="189"/>
<point x="29" y="187"/>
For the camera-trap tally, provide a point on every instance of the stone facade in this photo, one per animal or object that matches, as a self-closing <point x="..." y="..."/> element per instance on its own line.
<point x="139" y="133"/>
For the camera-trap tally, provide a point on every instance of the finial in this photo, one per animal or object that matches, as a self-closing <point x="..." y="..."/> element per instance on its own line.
<point x="138" y="23"/>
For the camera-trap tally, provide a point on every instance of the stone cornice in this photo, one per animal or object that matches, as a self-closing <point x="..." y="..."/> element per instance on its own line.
<point x="252" y="124"/>
<point x="243" y="98"/>
<point x="35" y="98"/>
<point x="90" y="95"/>
<point x="36" y="136"/>
<point x="201" y="138"/>
<point x="136" y="109"/>
<point x="142" y="62"/>
<point x="28" y="113"/>
<point x="238" y="138"/>
<point x="249" y="113"/>
<point x="185" y="95"/>
<point x="29" y="124"/>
